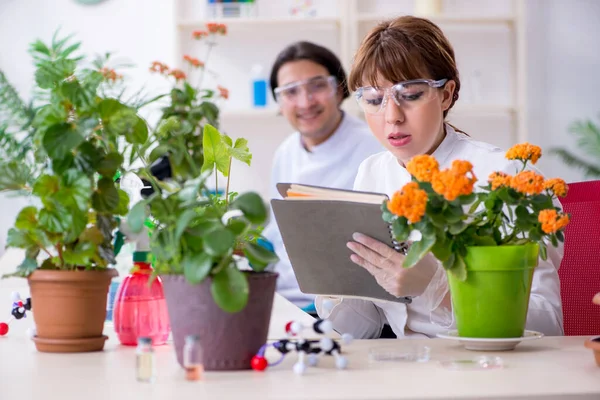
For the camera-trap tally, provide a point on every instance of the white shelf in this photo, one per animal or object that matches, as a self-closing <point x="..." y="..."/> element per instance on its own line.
<point x="443" y="19"/>
<point x="250" y="113"/>
<point x="251" y="22"/>
<point x="462" y="109"/>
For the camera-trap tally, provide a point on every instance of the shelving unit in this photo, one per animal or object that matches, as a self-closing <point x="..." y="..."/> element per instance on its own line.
<point x="488" y="38"/>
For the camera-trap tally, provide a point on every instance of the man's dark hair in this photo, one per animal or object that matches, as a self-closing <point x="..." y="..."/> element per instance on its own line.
<point x="311" y="52"/>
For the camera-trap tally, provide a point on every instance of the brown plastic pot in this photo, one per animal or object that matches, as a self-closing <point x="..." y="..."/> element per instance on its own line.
<point x="69" y="309"/>
<point x="594" y="344"/>
<point x="228" y="340"/>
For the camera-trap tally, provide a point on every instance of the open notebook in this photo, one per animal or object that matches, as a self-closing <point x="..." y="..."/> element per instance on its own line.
<point x="315" y="225"/>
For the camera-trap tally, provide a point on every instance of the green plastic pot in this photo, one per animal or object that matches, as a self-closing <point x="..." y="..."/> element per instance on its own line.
<point x="493" y="301"/>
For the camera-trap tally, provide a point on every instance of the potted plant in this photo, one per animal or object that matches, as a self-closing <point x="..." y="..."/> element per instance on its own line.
<point x="67" y="231"/>
<point x="201" y="238"/>
<point x="587" y="134"/>
<point x="488" y="241"/>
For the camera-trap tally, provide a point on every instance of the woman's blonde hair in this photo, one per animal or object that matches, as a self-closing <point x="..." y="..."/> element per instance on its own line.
<point x="402" y="49"/>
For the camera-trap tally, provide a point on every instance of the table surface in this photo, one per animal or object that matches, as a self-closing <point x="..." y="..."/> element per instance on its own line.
<point x="548" y="368"/>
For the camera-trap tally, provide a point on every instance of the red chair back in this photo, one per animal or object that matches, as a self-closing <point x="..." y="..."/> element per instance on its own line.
<point x="579" y="271"/>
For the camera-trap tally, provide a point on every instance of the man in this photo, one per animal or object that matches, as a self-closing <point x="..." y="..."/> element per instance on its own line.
<point x="309" y="84"/>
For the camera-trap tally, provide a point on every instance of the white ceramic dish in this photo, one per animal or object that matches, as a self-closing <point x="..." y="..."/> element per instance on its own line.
<point x="486" y="344"/>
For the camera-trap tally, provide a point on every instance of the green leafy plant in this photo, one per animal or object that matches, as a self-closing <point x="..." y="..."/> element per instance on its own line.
<point x="200" y="234"/>
<point x="450" y="217"/>
<point x="82" y="136"/>
<point x="588" y="139"/>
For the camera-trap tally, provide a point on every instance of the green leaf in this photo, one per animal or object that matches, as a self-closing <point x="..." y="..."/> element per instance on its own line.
<point x="59" y="166"/>
<point x="27" y="218"/>
<point x="60" y="139"/>
<point x="54" y="220"/>
<point x="79" y="221"/>
<point x="75" y="190"/>
<point x="81" y="255"/>
<point x="87" y="157"/>
<point x="241" y="152"/>
<point x="259" y="257"/>
<point x="93" y="235"/>
<point x="50" y="74"/>
<point x="467" y="199"/>
<point x="484" y="241"/>
<point x="459" y="269"/>
<point x="230" y="289"/>
<point x="218" y="242"/>
<point x="252" y="206"/>
<point x="139" y="133"/>
<point x="196" y="267"/>
<point x="237" y="226"/>
<point x="215" y="152"/>
<point x="109" y="107"/>
<point x="109" y="164"/>
<point x="137" y="217"/>
<point x="106" y="197"/>
<point x="28" y="266"/>
<point x="457" y="228"/>
<point x="18" y="238"/>
<point x="442" y="249"/>
<point x="543" y="251"/>
<point x="418" y="250"/>
<point x="13" y="176"/>
<point x="49" y="115"/>
<point x="400" y="229"/>
<point x="386" y="214"/>
<point x="183" y="221"/>
<point x="158" y="152"/>
<point x="46" y="185"/>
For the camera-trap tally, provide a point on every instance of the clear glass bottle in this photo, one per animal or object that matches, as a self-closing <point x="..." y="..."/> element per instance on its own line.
<point x="192" y="358"/>
<point x="145" y="368"/>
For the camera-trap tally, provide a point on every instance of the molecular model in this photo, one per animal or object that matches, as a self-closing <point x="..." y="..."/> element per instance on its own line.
<point x="309" y="351"/>
<point x="19" y="311"/>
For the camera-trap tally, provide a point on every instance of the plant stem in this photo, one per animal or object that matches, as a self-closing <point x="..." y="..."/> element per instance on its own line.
<point x="60" y="254"/>
<point x="228" y="179"/>
<point x="221" y="265"/>
<point x="210" y="45"/>
<point x="216" y="180"/>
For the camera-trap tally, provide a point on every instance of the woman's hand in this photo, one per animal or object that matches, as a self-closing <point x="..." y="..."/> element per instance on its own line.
<point x="385" y="264"/>
<point x="596" y="299"/>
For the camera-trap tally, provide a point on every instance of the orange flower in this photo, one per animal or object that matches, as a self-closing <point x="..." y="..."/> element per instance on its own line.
<point x="527" y="182"/>
<point x="524" y="152"/>
<point x="498" y="179"/>
<point x="456" y="181"/>
<point x="423" y="167"/>
<point x="217" y="28"/>
<point x="110" y="74"/>
<point x="177" y="74"/>
<point x="224" y="93"/>
<point x="552" y="221"/>
<point x="194" y="62"/>
<point x="159" y="67"/>
<point x="557" y="186"/>
<point x="410" y="202"/>
<point x="199" y="34"/>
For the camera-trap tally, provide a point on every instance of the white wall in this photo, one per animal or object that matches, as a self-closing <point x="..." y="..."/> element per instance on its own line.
<point x="563" y="60"/>
<point x="563" y="73"/>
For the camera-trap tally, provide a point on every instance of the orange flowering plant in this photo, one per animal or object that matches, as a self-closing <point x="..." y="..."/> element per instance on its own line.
<point x="450" y="216"/>
<point x="191" y="106"/>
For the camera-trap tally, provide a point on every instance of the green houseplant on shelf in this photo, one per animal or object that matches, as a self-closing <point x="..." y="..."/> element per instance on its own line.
<point x="488" y="240"/>
<point x="82" y="138"/>
<point x="201" y="239"/>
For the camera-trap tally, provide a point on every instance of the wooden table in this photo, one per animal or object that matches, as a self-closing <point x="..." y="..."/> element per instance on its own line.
<point x="550" y="368"/>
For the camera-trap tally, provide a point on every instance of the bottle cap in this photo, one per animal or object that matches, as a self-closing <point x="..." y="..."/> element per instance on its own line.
<point x="144" y="340"/>
<point x="141" y="256"/>
<point x="192" y="338"/>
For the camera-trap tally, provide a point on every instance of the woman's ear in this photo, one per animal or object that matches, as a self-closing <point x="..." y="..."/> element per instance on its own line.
<point x="448" y="94"/>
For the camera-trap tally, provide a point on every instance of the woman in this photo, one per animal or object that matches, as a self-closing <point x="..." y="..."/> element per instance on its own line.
<point x="405" y="80"/>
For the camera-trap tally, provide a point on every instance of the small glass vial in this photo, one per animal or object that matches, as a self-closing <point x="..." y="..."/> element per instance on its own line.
<point x="192" y="358"/>
<point x="146" y="370"/>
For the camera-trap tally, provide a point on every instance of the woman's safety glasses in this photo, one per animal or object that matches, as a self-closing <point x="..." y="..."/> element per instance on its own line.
<point x="408" y="95"/>
<point x="312" y="88"/>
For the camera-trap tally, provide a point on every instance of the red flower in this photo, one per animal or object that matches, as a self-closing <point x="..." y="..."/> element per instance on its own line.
<point x="199" y="34"/>
<point x="177" y="74"/>
<point x="224" y="93"/>
<point x="212" y="27"/>
<point x="159" y="67"/>
<point x="194" y="62"/>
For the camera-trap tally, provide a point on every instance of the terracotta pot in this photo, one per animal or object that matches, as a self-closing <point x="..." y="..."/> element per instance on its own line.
<point x="229" y="341"/>
<point x="69" y="309"/>
<point x="594" y="344"/>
